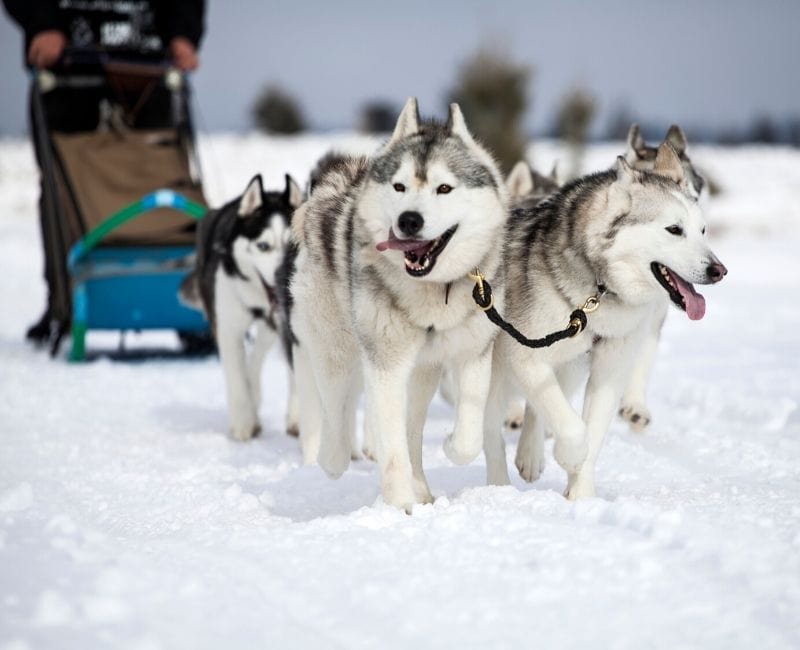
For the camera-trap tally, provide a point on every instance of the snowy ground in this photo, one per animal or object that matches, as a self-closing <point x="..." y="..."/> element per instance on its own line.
<point x="129" y="520"/>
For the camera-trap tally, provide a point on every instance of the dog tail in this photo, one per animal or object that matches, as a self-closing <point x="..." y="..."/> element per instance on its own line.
<point x="189" y="292"/>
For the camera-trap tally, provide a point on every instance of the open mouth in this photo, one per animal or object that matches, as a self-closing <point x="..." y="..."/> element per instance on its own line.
<point x="680" y="291"/>
<point x="420" y="254"/>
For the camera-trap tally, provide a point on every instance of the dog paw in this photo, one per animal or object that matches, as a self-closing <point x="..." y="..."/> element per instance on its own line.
<point x="422" y="493"/>
<point x="368" y="453"/>
<point x="570" y="451"/>
<point x="333" y="458"/>
<point x="636" y="415"/>
<point x="461" y="449"/>
<point x="245" y="431"/>
<point x="579" y="486"/>
<point x="497" y="474"/>
<point x="515" y="416"/>
<point x="400" y="494"/>
<point x="529" y="465"/>
<point x="293" y="429"/>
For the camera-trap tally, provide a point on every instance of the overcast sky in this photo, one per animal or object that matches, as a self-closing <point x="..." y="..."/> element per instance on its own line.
<point x="713" y="63"/>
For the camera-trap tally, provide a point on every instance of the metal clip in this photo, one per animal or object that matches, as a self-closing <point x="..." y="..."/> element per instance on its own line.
<point x="591" y="304"/>
<point x="477" y="277"/>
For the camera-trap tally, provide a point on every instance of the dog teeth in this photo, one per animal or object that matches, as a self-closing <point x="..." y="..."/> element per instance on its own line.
<point x="667" y="276"/>
<point x="418" y="265"/>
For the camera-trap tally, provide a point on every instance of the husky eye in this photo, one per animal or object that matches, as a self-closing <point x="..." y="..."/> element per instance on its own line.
<point x="444" y="188"/>
<point x="263" y="246"/>
<point x="703" y="232"/>
<point x="674" y="230"/>
<point x="399" y="187"/>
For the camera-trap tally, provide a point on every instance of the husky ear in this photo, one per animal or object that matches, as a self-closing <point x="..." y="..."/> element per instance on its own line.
<point x="676" y="137"/>
<point x="554" y="173"/>
<point x="668" y="164"/>
<point x="252" y="198"/>
<point x="408" y="122"/>
<point x="635" y="142"/>
<point x="520" y="180"/>
<point x="626" y="175"/>
<point x="457" y="125"/>
<point x="293" y="194"/>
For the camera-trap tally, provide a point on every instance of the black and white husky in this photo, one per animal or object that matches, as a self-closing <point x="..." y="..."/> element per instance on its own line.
<point x="630" y="238"/>
<point x="382" y="297"/>
<point x="239" y="248"/>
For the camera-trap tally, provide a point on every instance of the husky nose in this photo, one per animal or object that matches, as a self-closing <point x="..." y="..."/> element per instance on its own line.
<point x="410" y="223"/>
<point x="716" y="271"/>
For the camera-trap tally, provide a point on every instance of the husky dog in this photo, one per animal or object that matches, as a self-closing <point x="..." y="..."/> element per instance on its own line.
<point x="239" y="248"/>
<point x="626" y="237"/>
<point x="382" y="297"/>
<point x="527" y="187"/>
<point x="642" y="156"/>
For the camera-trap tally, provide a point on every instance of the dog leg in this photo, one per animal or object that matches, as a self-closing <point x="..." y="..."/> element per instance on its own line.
<point x="544" y="393"/>
<point x="474" y="376"/>
<point x="611" y="364"/>
<point x="264" y="338"/>
<point x="422" y="388"/>
<point x="386" y="410"/>
<point x="515" y="415"/>
<point x="356" y="389"/>
<point x="232" y="323"/>
<point x="447" y="388"/>
<point x="368" y="447"/>
<point x="310" y="416"/>
<point x="335" y="381"/>
<point x="494" y="447"/>
<point x="530" y="450"/>
<point x="292" y="405"/>
<point x="633" y="408"/>
<point x="530" y="459"/>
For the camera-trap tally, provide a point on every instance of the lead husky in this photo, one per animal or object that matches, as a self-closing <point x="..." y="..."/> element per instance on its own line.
<point x="641" y="156"/>
<point x="239" y="248"/>
<point x="381" y="294"/>
<point x="624" y="236"/>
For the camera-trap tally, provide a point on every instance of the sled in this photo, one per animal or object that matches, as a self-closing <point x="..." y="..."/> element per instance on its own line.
<point x="120" y="200"/>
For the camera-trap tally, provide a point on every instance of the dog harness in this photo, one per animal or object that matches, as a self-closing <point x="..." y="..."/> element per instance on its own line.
<point x="482" y="295"/>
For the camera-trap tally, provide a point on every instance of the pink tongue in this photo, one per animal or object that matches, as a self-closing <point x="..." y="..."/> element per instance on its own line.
<point x="406" y="245"/>
<point x="695" y="303"/>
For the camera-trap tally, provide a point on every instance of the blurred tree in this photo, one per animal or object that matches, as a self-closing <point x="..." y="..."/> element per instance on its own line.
<point x="620" y="122"/>
<point x="492" y="92"/>
<point x="794" y="131"/>
<point x="763" y="130"/>
<point x="574" y="118"/>
<point x="378" y="117"/>
<point x="276" y="111"/>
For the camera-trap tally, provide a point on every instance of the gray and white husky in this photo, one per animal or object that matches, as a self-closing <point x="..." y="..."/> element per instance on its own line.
<point x="239" y="248"/>
<point x="625" y="236"/>
<point x="382" y="298"/>
<point x="642" y="156"/>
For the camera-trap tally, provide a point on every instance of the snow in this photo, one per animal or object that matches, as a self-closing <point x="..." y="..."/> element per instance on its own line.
<point x="129" y="520"/>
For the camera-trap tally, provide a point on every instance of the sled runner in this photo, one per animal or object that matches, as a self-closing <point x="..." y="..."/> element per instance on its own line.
<point x="121" y="196"/>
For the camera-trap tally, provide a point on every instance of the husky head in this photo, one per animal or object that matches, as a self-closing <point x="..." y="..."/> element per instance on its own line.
<point x="526" y="187"/>
<point x="434" y="202"/>
<point x="262" y="229"/>
<point x="642" y="156"/>
<point x="655" y="236"/>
